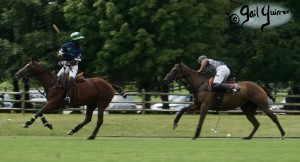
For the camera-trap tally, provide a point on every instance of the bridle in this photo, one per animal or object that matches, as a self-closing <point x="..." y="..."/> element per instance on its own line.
<point x="173" y="76"/>
<point x="27" y="74"/>
<point x="177" y="70"/>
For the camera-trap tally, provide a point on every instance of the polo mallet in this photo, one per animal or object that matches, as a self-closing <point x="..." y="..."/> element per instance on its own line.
<point x="57" y="33"/>
<point x="214" y="130"/>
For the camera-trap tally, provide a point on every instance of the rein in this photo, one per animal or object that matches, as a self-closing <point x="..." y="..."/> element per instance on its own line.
<point x="27" y="76"/>
<point x="185" y="76"/>
<point x="43" y="93"/>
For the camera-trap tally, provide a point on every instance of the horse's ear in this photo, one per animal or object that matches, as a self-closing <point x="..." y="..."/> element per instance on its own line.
<point x="179" y="60"/>
<point x="32" y="60"/>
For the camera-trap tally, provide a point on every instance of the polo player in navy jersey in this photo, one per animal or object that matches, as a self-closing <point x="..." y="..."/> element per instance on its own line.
<point x="70" y="52"/>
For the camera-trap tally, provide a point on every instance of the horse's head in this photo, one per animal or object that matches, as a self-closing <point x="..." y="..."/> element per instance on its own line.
<point x="29" y="70"/>
<point x="175" y="73"/>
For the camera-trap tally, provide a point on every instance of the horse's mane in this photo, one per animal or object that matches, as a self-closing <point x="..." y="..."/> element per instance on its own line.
<point x="201" y="75"/>
<point x="45" y="69"/>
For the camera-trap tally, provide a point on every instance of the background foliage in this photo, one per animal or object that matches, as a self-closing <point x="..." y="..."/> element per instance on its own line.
<point x="137" y="42"/>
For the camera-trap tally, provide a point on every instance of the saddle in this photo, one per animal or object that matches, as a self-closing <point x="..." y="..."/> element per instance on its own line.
<point x="61" y="80"/>
<point x="230" y="82"/>
<point x="220" y="94"/>
<point x="79" y="77"/>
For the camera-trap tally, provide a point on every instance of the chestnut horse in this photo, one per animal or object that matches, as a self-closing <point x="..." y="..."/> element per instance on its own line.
<point x="248" y="98"/>
<point x="93" y="92"/>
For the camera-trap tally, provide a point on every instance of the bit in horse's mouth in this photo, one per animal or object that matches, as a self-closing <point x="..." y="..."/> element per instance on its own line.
<point x="17" y="77"/>
<point x="20" y="78"/>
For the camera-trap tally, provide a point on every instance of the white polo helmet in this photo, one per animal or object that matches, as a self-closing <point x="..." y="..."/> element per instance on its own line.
<point x="201" y="58"/>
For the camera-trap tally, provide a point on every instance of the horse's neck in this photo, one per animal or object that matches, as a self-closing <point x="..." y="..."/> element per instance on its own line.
<point x="195" y="79"/>
<point x="46" y="78"/>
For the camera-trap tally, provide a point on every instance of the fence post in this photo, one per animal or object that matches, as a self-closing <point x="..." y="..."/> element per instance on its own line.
<point x="23" y="102"/>
<point x="143" y="101"/>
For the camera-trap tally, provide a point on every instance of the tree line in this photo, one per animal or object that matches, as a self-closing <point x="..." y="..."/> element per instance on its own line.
<point x="135" y="43"/>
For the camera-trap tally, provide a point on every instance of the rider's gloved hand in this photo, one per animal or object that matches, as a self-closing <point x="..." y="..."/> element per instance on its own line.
<point x="60" y="54"/>
<point x="201" y="71"/>
<point x="63" y="63"/>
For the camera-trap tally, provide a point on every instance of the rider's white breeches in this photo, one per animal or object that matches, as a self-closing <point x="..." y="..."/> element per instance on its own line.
<point x="222" y="74"/>
<point x="72" y="70"/>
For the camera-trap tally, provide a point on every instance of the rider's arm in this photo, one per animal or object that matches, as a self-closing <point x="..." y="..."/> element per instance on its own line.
<point x="203" y="65"/>
<point x="60" y="53"/>
<point x="75" y="60"/>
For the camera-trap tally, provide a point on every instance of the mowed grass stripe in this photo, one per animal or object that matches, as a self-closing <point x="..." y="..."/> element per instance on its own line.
<point x="113" y="149"/>
<point x="134" y="139"/>
<point x="148" y="126"/>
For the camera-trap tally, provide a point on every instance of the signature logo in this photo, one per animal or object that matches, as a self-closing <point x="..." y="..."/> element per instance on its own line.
<point x="260" y="16"/>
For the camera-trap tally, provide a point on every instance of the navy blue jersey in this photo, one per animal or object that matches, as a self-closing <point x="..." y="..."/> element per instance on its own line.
<point x="70" y="52"/>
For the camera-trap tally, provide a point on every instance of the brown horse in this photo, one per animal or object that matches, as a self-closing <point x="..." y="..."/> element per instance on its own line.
<point x="93" y="92"/>
<point x="248" y="98"/>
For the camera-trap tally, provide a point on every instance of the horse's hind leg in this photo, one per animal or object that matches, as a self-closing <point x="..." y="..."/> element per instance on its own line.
<point x="275" y="120"/>
<point x="88" y="118"/>
<point x="101" y="108"/>
<point x="249" y="110"/>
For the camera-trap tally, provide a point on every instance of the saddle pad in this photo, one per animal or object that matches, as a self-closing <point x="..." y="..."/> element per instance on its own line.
<point x="233" y="84"/>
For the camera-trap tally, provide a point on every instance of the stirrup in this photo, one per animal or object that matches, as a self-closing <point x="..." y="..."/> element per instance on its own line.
<point x="67" y="100"/>
<point x="235" y="90"/>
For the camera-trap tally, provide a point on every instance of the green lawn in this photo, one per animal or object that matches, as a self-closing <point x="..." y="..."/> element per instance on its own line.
<point x="147" y="138"/>
<point x="116" y="149"/>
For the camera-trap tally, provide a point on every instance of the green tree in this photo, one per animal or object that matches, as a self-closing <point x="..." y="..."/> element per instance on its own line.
<point x="27" y="28"/>
<point x="137" y="42"/>
<point x="270" y="56"/>
<point x="140" y="40"/>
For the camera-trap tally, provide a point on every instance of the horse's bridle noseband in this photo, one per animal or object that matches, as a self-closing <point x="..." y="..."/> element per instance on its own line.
<point x="175" y="73"/>
<point x="185" y="77"/>
<point x="26" y="73"/>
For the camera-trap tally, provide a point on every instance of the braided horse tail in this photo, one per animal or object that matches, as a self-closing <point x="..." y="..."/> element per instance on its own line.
<point x="120" y="90"/>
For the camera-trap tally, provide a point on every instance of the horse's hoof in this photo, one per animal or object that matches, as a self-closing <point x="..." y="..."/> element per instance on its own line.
<point x="49" y="126"/>
<point x="25" y="126"/>
<point x="194" y="138"/>
<point x="175" y="126"/>
<point x="91" y="138"/>
<point x="70" y="132"/>
<point x="282" y="138"/>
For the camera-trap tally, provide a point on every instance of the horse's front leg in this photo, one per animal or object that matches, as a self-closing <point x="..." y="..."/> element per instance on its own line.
<point x="45" y="122"/>
<point x="180" y="113"/>
<point x="39" y="114"/>
<point x="30" y="121"/>
<point x="203" y="113"/>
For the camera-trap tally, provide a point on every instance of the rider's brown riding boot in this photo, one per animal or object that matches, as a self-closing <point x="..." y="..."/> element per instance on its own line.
<point x="70" y="86"/>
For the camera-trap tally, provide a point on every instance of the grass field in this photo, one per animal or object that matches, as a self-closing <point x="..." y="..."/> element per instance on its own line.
<point x="147" y="138"/>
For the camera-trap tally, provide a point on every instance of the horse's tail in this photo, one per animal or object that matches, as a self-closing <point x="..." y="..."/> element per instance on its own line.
<point x="120" y="90"/>
<point x="268" y="92"/>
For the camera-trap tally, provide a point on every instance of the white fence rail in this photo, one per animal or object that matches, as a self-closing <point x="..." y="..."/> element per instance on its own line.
<point x="139" y="100"/>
